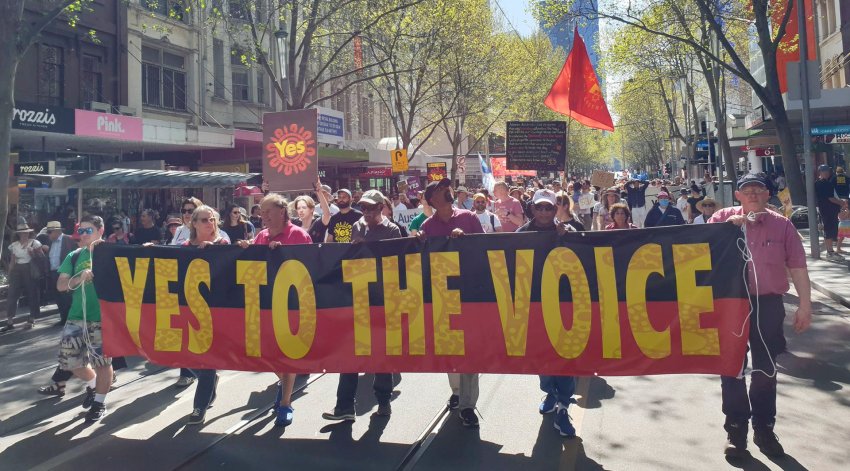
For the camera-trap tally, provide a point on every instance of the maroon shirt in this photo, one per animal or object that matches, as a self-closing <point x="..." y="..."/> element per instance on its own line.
<point x="462" y="219"/>
<point x="774" y="244"/>
<point x="290" y="235"/>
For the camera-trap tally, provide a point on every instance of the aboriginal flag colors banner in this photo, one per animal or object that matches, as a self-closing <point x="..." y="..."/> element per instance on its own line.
<point x="633" y="302"/>
<point x="290" y="154"/>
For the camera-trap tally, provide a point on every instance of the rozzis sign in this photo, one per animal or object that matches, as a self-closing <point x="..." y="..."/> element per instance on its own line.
<point x="34" y="117"/>
<point x="34" y="168"/>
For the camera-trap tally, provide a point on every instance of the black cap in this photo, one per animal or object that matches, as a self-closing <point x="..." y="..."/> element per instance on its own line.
<point x="432" y="187"/>
<point x="759" y="178"/>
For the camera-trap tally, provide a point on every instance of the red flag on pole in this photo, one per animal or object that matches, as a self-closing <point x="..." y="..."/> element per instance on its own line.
<point x="576" y="92"/>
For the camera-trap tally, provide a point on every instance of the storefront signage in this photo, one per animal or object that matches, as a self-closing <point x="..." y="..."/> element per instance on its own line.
<point x="108" y="126"/>
<point x="34" y="117"/>
<point x="331" y="126"/>
<point x="290" y="160"/>
<point x="34" y="168"/>
<point x="824" y="130"/>
<point x="377" y="172"/>
<point x="536" y="145"/>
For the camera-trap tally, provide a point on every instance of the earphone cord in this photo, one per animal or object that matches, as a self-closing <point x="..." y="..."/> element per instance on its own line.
<point x="86" y="337"/>
<point x="743" y="247"/>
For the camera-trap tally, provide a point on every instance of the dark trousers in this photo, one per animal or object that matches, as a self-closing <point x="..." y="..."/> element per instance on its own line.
<point x="63" y="300"/>
<point x="205" y="390"/>
<point x="562" y="387"/>
<point x="760" y="404"/>
<point x="347" y="389"/>
<point x="187" y="373"/>
<point x="21" y="283"/>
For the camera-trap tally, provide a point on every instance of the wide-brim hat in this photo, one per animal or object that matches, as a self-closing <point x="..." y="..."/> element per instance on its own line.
<point x="53" y="226"/>
<point x="704" y="201"/>
<point x="23" y="228"/>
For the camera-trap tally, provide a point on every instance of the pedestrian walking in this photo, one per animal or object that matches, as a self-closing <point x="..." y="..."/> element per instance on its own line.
<point x="663" y="213"/>
<point x="706" y="208"/>
<point x="489" y="221"/>
<point x="57" y="246"/>
<point x="25" y="276"/>
<point x="636" y="199"/>
<point x="774" y="246"/>
<point x="828" y="206"/>
<point x="236" y="225"/>
<point x="610" y="197"/>
<point x="340" y="224"/>
<point x="621" y="217"/>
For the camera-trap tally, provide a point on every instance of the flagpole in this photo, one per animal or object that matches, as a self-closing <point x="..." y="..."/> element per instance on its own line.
<point x="566" y="155"/>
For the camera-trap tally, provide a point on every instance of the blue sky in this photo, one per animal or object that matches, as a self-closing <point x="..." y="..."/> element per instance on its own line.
<point x="518" y="14"/>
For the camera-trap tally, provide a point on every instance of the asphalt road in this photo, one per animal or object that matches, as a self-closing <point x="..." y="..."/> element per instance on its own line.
<point x="631" y="423"/>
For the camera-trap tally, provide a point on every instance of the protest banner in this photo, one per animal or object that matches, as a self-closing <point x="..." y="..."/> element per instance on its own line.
<point x="632" y="302"/>
<point x="404" y="217"/>
<point x="436" y="171"/>
<point x="500" y="172"/>
<point x="536" y="145"/>
<point x="290" y="160"/>
<point x="602" y="179"/>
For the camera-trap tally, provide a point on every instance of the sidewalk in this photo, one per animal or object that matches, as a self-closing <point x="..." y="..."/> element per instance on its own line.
<point x="830" y="278"/>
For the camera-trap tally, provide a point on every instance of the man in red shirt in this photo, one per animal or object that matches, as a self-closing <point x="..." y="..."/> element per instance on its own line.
<point x="775" y="246"/>
<point x="279" y="231"/>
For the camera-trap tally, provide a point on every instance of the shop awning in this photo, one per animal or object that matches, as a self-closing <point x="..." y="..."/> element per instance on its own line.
<point x="146" y="179"/>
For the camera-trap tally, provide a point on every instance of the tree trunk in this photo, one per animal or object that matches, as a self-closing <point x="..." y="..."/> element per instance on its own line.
<point x="790" y="164"/>
<point x="8" y="69"/>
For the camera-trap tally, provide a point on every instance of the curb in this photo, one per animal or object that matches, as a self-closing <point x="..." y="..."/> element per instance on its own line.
<point x="830" y="293"/>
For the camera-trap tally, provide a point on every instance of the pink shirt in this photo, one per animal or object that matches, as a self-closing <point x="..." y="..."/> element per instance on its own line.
<point x="462" y="219"/>
<point x="774" y="244"/>
<point x="513" y="206"/>
<point x="291" y="235"/>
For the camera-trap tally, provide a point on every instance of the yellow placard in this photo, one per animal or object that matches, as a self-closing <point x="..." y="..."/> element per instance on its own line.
<point x="399" y="159"/>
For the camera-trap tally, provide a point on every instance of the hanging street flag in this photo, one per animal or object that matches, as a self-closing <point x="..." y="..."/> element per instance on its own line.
<point x="576" y="92"/>
<point x="486" y="174"/>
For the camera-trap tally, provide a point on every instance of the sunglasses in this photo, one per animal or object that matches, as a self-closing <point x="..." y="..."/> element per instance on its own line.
<point x="188" y="210"/>
<point x="370" y="207"/>
<point x="235" y="212"/>
<point x="544" y="207"/>
<point x="85" y="231"/>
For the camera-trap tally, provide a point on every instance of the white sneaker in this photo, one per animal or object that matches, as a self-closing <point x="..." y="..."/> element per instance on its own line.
<point x="184" y="381"/>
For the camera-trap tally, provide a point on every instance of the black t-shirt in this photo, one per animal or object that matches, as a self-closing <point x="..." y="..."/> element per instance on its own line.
<point x="692" y="202"/>
<point x="339" y="227"/>
<point x="824" y="190"/>
<point x="239" y="231"/>
<point x="842" y="186"/>
<point x="145" y="235"/>
<point x="317" y="230"/>
<point x="575" y="225"/>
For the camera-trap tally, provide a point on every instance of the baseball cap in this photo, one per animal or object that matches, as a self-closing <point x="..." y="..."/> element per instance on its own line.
<point x="824" y="168"/>
<point x="663" y="194"/>
<point x="462" y="189"/>
<point x="432" y="187"/>
<point x="373" y="197"/>
<point x="548" y="196"/>
<point x="173" y="220"/>
<point x="344" y="190"/>
<point x="326" y="189"/>
<point x="478" y="196"/>
<point x="753" y="178"/>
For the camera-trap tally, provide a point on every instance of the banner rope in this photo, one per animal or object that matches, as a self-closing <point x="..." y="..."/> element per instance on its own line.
<point x="86" y="338"/>
<point x="743" y="247"/>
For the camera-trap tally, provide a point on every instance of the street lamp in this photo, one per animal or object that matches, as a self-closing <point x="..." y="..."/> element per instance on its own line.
<point x="282" y="37"/>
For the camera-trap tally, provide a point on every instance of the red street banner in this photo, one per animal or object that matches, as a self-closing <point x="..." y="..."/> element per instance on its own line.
<point x="290" y="160"/>
<point x="632" y="302"/>
<point x="499" y="171"/>
<point x="436" y="171"/>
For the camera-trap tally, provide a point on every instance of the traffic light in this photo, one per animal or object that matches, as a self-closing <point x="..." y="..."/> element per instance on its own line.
<point x="667" y="169"/>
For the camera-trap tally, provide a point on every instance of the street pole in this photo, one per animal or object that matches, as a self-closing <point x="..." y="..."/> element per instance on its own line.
<point x="814" y="235"/>
<point x="718" y="154"/>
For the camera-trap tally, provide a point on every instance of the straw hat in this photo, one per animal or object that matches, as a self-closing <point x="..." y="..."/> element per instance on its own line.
<point x="23" y="228"/>
<point x="53" y="226"/>
<point x="703" y="201"/>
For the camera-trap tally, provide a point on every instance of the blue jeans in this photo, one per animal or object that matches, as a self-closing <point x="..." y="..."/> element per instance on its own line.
<point x="562" y="387"/>
<point x="205" y="391"/>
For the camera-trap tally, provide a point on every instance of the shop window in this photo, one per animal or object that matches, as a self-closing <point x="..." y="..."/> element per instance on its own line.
<point x="174" y="9"/>
<point x="51" y="75"/>
<point x="91" y="82"/>
<point x="262" y="94"/>
<point x="241" y="87"/>
<point x="218" y="68"/>
<point x="163" y="79"/>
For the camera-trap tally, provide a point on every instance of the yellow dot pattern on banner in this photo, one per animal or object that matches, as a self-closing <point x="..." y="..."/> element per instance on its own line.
<point x="361" y="272"/>
<point x="445" y="303"/>
<point x="645" y="261"/>
<point x="609" y="303"/>
<point x="294" y="273"/>
<point x="513" y="304"/>
<point x="694" y="300"/>
<point x="561" y="262"/>
<point x="408" y="301"/>
<point x="252" y="274"/>
<point x="198" y="273"/>
<point x="133" y="288"/>
<point x="166" y="338"/>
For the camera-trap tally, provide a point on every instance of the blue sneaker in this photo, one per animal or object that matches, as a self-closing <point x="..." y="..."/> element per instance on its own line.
<point x="562" y="422"/>
<point x="548" y="404"/>
<point x="284" y="416"/>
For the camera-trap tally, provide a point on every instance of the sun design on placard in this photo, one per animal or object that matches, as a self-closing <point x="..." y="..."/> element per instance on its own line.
<point x="291" y="149"/>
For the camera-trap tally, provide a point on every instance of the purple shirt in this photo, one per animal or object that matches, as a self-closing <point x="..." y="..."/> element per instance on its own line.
<point x="774" y="244"/>
<point x="462" y="219"/>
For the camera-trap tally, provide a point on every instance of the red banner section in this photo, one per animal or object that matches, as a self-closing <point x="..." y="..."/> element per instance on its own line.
<point x="612" y="303"/>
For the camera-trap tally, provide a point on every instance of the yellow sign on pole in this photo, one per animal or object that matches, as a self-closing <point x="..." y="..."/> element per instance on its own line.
<point x="399" y="160"/>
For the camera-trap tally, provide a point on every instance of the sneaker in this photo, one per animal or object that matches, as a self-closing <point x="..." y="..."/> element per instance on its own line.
<point x="834" y="257"/>
<point x="454" y="402"/>
<point x="184" y="381"/>
<point x="468" y="418"/>
<point x="29" y="325"/>
<point x="88" y="399"/>
<point x="340" y="414"/>
<point x="97" y="411"/>
<point x="197" y="417"/>
<point x="736" y="440"/>
<point x="768" y="443"/>
<point x="549" y="404"/>
<point x="215" y="388"/>
<point x="384" y="410"/>
<point x="52" y="390"/>
<point x="562" y="421"/>
<point x="284" y="416"/>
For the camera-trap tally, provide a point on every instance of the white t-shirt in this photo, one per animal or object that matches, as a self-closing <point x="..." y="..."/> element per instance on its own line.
<point x="21" y="253"/>
<point x="486" y="217"/>
<point x="699" y="219"/>
<point x="318" y="209"/>
<point x="682" y="205"/>
<point x="182" y="234"/>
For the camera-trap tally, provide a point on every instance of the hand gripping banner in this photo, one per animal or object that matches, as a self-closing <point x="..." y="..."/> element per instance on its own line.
<point x="636" y="302"/>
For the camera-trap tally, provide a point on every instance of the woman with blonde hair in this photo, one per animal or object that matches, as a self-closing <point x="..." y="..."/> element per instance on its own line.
<point x="307" y="219"/>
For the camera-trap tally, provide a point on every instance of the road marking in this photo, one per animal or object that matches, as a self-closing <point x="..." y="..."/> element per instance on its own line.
<point x="9" y="380"/>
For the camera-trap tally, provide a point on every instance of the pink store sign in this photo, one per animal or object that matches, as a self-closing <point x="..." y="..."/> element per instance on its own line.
<point x="108" y="126"/>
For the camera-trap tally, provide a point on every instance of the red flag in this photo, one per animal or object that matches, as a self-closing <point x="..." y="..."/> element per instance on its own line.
<point x="576" y="92"/>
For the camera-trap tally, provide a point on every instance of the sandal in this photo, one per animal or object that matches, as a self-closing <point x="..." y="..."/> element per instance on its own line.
<point x="52" y="390"/>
